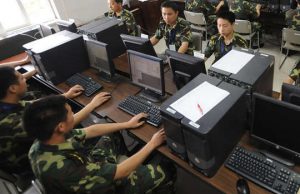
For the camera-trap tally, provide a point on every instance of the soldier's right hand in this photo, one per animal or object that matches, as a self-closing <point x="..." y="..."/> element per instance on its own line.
<point x="158" y="138"/>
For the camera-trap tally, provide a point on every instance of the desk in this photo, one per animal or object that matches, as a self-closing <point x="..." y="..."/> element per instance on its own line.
<point x="18" y="57"/>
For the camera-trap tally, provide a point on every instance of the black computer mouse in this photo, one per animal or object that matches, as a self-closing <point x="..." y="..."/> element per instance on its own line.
<point x="242" y="187"/>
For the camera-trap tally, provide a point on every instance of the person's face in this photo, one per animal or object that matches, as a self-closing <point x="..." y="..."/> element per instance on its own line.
<point x="169" y="15"/>
<point x="113" y="5"/>
<point x="21" y="86"/>
<point x="225" y="28"/>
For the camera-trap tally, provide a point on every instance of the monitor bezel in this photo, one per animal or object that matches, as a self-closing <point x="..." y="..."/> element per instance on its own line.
<point x="265" y="141"/>
<point x="65" y="25"/>
<point x="148" y="57"/>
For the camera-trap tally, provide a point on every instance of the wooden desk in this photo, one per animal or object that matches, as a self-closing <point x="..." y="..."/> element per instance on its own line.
<point x="14" y="58"/>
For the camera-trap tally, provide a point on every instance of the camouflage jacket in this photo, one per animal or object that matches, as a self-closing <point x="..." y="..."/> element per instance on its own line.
<point x="217" y="45"/>
<point x="179" y="33"/>
<point x="128" y="18"/>
<point x="295" y="74"/>
<point x="200" y="6"/>
<point x="243" y="9"/>
<point x="294" y="22"/>
<point x="65" y="168"/>
<point x="14" y="142"/>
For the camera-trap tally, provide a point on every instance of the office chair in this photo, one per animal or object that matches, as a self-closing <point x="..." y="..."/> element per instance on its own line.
<point x="290" y="41"/>
<point x="197" y="20"/>
<point x="243" y="28"/>
<point x="197" y="40"/>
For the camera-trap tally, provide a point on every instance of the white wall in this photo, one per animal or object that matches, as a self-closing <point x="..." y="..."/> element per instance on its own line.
<point x="82" y="11"/>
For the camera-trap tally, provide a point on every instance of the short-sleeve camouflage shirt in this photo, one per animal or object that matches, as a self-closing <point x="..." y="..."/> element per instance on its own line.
<point x="200" y="6"/>
<point x="14" y="141"/>
<point x="295" y="74"/>
<point x="217" y="45"/>
<point x="295" y="21"/>
<point x="128" y="18"/>
<point x="243" y="9"/>
<point x="176" y="35"/>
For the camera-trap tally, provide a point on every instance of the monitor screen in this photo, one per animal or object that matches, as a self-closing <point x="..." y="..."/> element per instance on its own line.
<point x="290" y="93"/>
<point x="147" y="72"/>
<point x="46" y="30"/>
<point x="184" y="67"/>
<point x="138" y="44"/>
<point x="66" y="25"/>
<point x="100" y="58"/>
<point x="276" y="123"/>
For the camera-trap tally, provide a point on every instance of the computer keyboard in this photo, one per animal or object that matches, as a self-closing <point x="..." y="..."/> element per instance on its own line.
<point x="135" y="105"/>
<point x="90" y="86"/>
<point x="263" y="171"/>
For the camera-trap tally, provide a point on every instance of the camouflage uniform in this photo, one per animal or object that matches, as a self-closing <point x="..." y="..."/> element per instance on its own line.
<point x="128" y="18"/>
<point x="245" y="10"/>
<point x="65" y="168"/>
<point x="295" y="74"/>
<point x="202" y="6"/>
<point x="217" y="45"/>
<point x="14" y="142"/>
<point x="180" y="32"/>
<point x="294" y="22"/>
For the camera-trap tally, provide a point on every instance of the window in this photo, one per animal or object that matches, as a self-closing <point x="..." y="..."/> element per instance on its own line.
<point x="20" y="13"/>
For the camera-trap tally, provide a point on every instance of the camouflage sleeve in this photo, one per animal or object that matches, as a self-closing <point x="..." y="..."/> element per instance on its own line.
<point x="186" y="34"/>
<point x="211" y="47"/>
<point x="251" y="8"/>
<point x="295" y="73"/>
<point x="110" y="13"/>
<point x="130" y="23"/>
<point x="159" y="33"/>
<point x="240" y="42"/>
<point x="295" y="23"/>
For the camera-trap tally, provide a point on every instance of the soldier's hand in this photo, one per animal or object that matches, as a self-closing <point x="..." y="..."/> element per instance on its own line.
<point x="74" y="91"/>
<point x="158" y="138"/>
<point x="137" y="120"/>
<point x="100" y="99"/>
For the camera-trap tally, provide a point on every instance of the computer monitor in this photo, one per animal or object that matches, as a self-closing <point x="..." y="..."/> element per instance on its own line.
<point x="147" y="71"/>
<point x="46" y="30"/>
<point x="100" y="59"/>
<point x="138" y="44"/>
<point x="276" y="123"/>
<point x="184" y="67"/>
<point x="66" y="25"/>
<point x="290" y="93"/>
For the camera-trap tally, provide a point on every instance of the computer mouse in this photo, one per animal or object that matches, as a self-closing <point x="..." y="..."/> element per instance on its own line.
<point x="143" y="119"/>
<point x="242" y="187"/>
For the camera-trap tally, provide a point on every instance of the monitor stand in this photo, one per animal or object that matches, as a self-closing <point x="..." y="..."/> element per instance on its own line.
<point x="107" y="78"/>
<point x="151" y="96"/>
<point x="279" y="159"/>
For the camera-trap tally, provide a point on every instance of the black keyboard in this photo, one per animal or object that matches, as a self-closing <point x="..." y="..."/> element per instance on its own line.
<point x="135" y="105"/>
<point x="263" y="171"/>
<point x="90" y="86"/>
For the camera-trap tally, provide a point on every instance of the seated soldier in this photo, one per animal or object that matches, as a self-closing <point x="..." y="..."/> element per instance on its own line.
<point x="175" y="30"/>
<point x="116" y="10"/>
<point x="226" y="39"/>
<point x="59" y="160"/>
<point x="293" y="17"/>
<point x="15" y="142"/>
<point x="246" y="10"/>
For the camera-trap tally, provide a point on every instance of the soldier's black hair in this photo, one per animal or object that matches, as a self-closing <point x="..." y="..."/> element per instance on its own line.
<point x="169" y="4"/>
<point x="119" y="1"/>
<point x="227" y="15"/>
<point x="42" y="116"/>
<point x="8" y="77"/>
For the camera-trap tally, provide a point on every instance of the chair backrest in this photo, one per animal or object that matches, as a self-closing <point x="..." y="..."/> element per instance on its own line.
<point x="291" y="36"/>
<point x="195" y="18"/>
<point x="242" y="27"/>
<point x="197" y="40"/>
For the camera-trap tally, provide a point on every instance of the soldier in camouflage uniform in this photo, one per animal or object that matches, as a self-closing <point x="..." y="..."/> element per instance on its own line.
<point x="294" y="76"/>
<point x="59" y="161"/>
<point x="116" y="10"/>
<point x="246" y="10"/>
<point x="14" y="141"/>
<point x="222" y="43"/>
<point x="293" y="17"/>
<point x="176" y="31"/>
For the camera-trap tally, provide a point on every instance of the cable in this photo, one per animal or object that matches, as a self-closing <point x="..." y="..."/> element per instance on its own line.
<point x="28" y="36"/>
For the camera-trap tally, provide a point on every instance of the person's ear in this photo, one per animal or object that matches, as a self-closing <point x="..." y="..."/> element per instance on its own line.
<point x="13" y="88"/>
<point x="61" y="127"/>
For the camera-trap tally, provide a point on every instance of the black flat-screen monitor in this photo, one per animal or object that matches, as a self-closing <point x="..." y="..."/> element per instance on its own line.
<point x="184" y="67"/>
<point x="66" y="25"/>
<point x="147" y="71"/>
<point x="100" y="58"/>
<point x="290" y="93"/>
<point x="46" y="30"/>
<point x="138" y="44"/>
<point x="276" y="123"/>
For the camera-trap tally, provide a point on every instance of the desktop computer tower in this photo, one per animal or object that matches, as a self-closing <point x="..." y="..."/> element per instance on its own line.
<point x="172" y="119"/>
<point x="107" y="30"/>
<point x="209" y="140"/>
<point x="59" y="56"/>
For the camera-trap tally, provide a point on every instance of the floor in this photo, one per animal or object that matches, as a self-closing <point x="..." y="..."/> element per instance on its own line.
<point x="271" y="46"/>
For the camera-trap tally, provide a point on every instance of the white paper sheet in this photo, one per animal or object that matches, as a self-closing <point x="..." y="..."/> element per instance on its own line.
<point x="233" y="61"/>
<point x="199" y="101"/>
